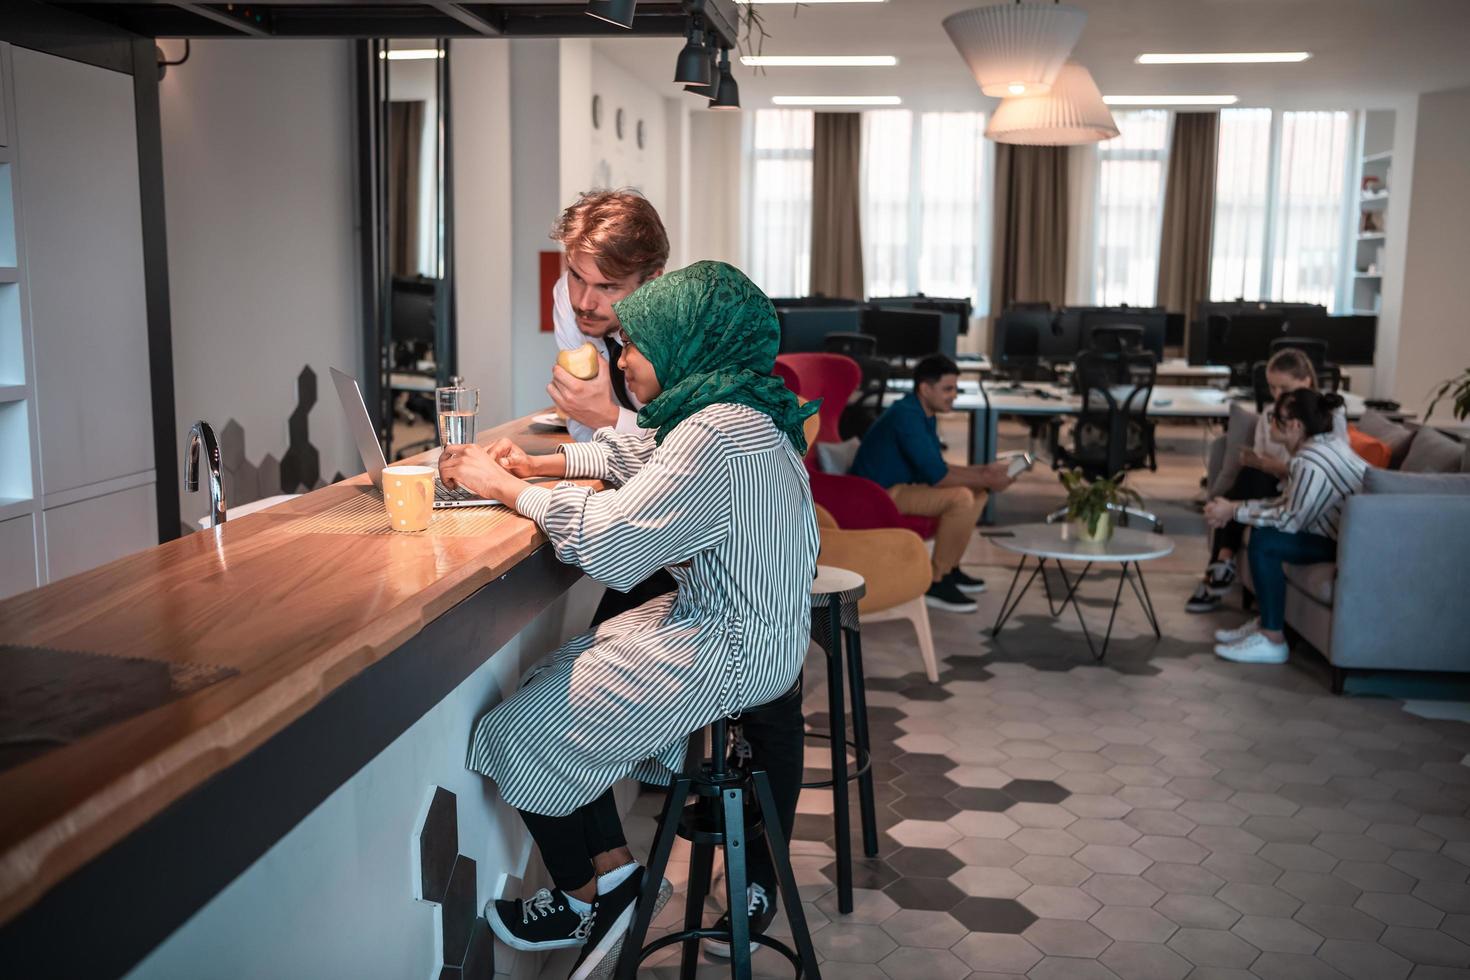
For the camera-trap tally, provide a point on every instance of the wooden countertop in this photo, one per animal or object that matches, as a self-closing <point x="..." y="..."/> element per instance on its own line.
<point x="296" y="614"/>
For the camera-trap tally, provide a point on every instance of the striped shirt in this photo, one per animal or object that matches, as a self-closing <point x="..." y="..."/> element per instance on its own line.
<point x="724" y="504"/>
<point x="1320" y="477"/>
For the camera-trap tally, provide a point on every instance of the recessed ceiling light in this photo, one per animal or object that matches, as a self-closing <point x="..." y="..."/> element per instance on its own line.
<point x="836" y="100"/>
<point x="1171" y="99"/>
<point x="411" y="54"/>
<point x="1226" y="58"/>
<point x="819" y="60"/>
<point x="1016" y="88"/>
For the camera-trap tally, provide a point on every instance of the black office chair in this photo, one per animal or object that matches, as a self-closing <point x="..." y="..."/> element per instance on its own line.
<point x="866" y="404"/>
<point x="1112" y="432"/>
<point x="853" y="345"/>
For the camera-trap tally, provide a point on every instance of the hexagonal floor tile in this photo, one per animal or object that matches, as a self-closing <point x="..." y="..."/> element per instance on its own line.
<point x="993" y="915"/>
<point x="935" y="894"/>
<point x="1063" y="937"/>
<point x="1139" y="925"/>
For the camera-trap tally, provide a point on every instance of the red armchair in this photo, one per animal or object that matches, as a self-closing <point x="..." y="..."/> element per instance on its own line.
<point x="854" y="502"/>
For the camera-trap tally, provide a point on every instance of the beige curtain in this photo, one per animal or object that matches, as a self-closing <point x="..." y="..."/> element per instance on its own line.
<point x="405" y="131"/>
<point x="837" y="241"/>
<point x="1189" y="211"/>
<point x="1029" y="256"/>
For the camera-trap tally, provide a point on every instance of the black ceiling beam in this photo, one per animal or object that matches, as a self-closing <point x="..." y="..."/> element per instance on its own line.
<point x="234" y="21"/>
<point x="487" y="23"/>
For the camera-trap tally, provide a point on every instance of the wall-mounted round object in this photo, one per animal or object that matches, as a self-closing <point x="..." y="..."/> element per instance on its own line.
<point x="618" y="123"/>
<point x="597" y="112"/>
<point x="640" y="134"/>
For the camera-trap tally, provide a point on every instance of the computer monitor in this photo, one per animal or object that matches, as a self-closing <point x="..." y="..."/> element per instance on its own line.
<point x="1244" y="338"/>
<point x="1174" y="330"/>
<point x="804" y="328"/>
<point x="959" y="306"/>
<point x="795" y="302"/>
<point x="1018" y="338"/>
<point x="1152" y="322"/>
<point x="1351" y="340"/>
<point x="908" y="333"/>
<point x="412" y="309"/>
<point x="951" y="325"/>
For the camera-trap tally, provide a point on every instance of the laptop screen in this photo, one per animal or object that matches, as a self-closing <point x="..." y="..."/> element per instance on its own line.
<point x="361" y="424"/>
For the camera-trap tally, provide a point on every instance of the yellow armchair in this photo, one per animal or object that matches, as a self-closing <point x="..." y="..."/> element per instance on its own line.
<point x="895" y="565"/>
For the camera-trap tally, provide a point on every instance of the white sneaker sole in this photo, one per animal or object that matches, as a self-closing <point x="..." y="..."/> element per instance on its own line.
<point x="514" y="942"/>
<point x="1225" y="652"/>
<point x="602" y="960"/>
<point x="953" y="607"/>
<point x="972" y="589"/>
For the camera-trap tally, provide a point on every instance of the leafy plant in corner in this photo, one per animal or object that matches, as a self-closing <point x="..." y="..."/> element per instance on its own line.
<point x="1458" y="388"/>
<point x="1088" y="500"/>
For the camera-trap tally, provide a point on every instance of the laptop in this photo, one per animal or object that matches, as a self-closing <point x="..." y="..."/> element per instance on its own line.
<point x="355" y="408"/>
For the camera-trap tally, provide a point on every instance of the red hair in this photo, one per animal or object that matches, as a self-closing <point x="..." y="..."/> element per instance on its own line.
<point x="619" y="230"/>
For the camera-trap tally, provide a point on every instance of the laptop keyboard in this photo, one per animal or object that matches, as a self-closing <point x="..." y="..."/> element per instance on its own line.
<point x="441" y="492"/>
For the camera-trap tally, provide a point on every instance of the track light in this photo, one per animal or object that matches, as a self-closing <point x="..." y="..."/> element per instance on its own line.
<point x="693" y="67"/>
<point x="619" y="12"/>
<point x="712" y="52"/>
<point x="728" y="95"/>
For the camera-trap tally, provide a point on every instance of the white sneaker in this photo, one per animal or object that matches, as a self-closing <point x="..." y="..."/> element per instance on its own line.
<point x="1254" y="649"/>
<point x="1238" y="633"/>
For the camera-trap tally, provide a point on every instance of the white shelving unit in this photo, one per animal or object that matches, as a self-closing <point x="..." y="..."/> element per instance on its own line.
<point x="1374" y="183"/>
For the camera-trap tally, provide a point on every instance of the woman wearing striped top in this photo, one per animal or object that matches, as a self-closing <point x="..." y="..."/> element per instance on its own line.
<point x="1298" y="528"/>
<point x="715" y="492"/>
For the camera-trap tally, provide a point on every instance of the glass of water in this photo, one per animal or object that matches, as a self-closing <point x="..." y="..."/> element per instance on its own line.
<point x="458" y="404"/>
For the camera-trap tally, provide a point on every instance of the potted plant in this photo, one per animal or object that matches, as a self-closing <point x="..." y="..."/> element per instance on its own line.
<point x="1457" y="388"/>
<point x="1088" y="502"/>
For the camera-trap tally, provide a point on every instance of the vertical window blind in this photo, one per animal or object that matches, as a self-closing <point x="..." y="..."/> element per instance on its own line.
<point x="779" y="206"/>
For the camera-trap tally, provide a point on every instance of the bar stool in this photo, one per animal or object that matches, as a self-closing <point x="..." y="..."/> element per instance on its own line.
<point x="835" y="595"/>
<point x="718" y="818"/>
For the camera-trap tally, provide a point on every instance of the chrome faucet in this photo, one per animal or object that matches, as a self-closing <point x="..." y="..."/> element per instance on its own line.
<point x="201" y="431"/>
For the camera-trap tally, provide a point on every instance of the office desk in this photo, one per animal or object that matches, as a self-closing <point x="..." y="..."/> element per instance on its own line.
<point x="1167" y="403"/>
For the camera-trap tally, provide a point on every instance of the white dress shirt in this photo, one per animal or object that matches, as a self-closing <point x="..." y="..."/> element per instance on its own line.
<point x="569" y="337"/>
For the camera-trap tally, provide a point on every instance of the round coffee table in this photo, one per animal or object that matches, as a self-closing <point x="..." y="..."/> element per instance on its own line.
<point x="1057" y="543"/>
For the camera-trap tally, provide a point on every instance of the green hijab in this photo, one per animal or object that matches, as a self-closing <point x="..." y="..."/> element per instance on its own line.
<point x="711" y="336"/>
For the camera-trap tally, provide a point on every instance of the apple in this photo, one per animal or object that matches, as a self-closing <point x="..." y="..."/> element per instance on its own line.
<point x="581" y="362"/>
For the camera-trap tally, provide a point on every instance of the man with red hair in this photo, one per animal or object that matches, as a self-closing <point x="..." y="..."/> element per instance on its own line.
<point x="615" y="242"/>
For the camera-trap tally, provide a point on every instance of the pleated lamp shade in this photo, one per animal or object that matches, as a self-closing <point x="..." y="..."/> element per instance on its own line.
<point x="1073" y="112"/>
<point x="1016" y="48"/>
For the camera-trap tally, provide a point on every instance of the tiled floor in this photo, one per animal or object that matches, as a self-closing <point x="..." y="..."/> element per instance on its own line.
<point x="1161" y="815"/>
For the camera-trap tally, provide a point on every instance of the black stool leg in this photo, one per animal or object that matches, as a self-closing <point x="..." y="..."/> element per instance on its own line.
<point x="838" y="727"/>
<point x="658" y="862"/>
<point x="785" y="877"/>
<point x="858" y="696"/>
<point x="701" y="869"/>
<point x="733" y="827"/>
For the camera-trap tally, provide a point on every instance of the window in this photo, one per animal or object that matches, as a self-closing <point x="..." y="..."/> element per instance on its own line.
<point x="1311" y="182"/>
<point x="778" y="243"/>
<point x="1129" y="215"/>
<point x="1278" y="231"/>
<point x="925" y="204"/>
<point x="1238" y="239"/>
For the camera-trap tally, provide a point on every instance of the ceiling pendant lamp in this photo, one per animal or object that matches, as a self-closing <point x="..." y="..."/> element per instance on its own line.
<point x="710" y="90"/>
<point x="1016" y="48"/>
<point x="619" y="12"/>
<point x="1073" y="112"/>
<point x="727" y="91"/>
<point x="692" y="67"/>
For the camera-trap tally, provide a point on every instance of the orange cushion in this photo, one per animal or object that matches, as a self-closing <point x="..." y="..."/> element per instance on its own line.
<point x="1375" y="451"/>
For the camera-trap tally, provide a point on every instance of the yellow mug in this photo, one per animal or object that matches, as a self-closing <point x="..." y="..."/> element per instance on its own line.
<point x="408" y="496"/>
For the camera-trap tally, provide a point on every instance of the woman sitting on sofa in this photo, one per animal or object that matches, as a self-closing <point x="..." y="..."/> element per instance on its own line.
<point x="1299" y="527"/>
<point x="1262" y="471"/>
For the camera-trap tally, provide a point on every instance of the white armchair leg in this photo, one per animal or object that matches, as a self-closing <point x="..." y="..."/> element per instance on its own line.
<point x="917" y="613"/>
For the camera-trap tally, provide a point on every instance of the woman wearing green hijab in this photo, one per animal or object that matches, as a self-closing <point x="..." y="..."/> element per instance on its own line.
<point x="716" y="493"/>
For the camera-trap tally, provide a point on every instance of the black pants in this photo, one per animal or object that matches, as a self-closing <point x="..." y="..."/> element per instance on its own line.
<point x="774" y="733"/>
<point x="1251" y="484"/>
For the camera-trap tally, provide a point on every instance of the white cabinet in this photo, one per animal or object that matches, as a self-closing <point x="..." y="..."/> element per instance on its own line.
<point x="18" y="546"/>
<point x="92" y="532"/>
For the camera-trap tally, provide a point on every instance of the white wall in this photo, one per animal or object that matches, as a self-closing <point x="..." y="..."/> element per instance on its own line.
<point x="715" y="187"/>
<point x="1433" y="334"/>
<point x="619" y="162"/>
<point x="259" y="183"/>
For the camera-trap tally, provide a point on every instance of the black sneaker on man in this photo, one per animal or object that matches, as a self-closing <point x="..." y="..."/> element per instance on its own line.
<point x="967" y="584"/>
<point x="760" y="906"/>
<point x="1220" y="576"/>
<point x="546" y="920"/>
<point x="615" y="911"/>
<point x="945" y="595"/>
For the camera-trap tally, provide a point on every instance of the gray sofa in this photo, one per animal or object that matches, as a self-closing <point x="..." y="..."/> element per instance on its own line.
<point x="1396" y="597"/>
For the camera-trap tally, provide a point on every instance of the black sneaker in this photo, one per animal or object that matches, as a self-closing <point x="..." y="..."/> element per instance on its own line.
<point x="615" y="910"/>
<point x="966" y="583"/>
<point x="1220" y="576"/>
<point x="546" y="920"/>
<point x="1204" y="600"/>
<point x="760" y="906"/>
<point x="945" y="595"/>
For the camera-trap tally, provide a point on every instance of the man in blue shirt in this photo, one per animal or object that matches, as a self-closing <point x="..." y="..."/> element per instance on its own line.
<point x="902" y="454"/>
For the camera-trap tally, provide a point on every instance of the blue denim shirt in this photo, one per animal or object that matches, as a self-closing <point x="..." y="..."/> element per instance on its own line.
<point x="902" y="447"/>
